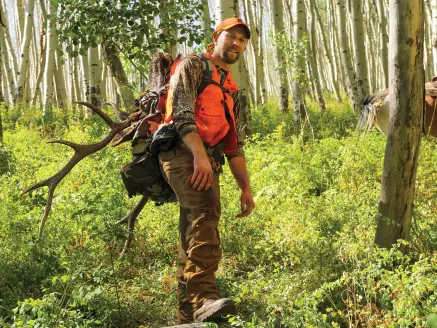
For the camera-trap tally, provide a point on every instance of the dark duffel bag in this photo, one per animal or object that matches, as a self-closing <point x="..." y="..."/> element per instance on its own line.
<point x="143" y="176"/>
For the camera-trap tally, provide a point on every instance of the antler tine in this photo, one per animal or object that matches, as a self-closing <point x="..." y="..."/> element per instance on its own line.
<point x="46" y="210"/>
<point x="135" y="211"/>
<point x="130" y="220"/>
<point x="80" y="152"/>
<point x="121" y="115"/>
<point x="96" y="110"/>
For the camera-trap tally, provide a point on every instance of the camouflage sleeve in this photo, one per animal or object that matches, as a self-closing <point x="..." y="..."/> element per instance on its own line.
<point x="184" y="84"/>
<point x="239" y="127"/>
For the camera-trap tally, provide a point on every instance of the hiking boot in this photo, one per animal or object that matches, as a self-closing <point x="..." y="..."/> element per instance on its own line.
<point x="215" y="309"/>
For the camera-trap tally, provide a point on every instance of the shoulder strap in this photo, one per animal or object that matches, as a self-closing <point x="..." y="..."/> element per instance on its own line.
<point x="207" y="77"/>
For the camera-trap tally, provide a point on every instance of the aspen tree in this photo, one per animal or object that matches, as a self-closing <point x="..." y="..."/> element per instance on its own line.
<point x="2" y="89"/>
<point x="25" y="50"/>
<point x="383" y="40"/>
<point x="95" y="71"/>
<point x="206" y="20"/>
<point x="103" y="83"/>
<point x="42" y="65"/>
<point x="117" y="72"/>
<point x="406" y="99"/>
<point x="260" y="56"/>
<point x="243" y="83"/>
<point x="20" y="18"/>
<point x="2" y="99"/>
<point x="61" y="90"/>
<point x="9" y="77"/>
<point x="357" y="29"/>
<point x="428" y="58"/>
<point x="50" y="60"/>
<point x="339" y="74"/>
<point x="278" y="33"/>
<point x="325" y="48"/>
<point x="299" y="64"/>
<point x="257" y="59"/>
<point x="170" y="47"/>
<point x="311" y="50"/>
<point x="8" y="50"/>
<point x="345" y="54"/>
<point x="85" y="77"/>
<point x="433" y="22"/>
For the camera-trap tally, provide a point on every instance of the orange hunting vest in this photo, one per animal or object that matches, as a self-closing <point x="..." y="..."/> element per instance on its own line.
<point x="209" y="111"/>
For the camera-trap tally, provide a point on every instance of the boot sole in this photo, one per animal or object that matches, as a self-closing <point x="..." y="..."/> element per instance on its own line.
<point x="218" y="311"/>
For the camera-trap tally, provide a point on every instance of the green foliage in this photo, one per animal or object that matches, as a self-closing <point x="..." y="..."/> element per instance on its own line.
<point x="304" y="258"/>
<point x="138" y="28"/>
<point x="295" y="55"/>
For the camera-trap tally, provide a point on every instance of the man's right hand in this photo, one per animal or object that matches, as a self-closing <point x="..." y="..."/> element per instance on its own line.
<point x="202" y="176"/>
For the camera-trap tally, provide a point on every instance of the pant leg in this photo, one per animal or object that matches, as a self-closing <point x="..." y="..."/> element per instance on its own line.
<point x="199" y="237"/>
<point x="185" y="307"/>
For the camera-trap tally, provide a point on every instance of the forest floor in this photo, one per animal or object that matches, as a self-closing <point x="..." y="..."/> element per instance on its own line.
<point x="304" y="258"/>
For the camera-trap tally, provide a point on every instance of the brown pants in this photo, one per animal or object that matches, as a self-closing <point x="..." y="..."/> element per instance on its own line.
<point x="199" y="242"/>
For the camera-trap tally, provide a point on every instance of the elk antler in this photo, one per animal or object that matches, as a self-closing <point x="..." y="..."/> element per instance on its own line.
<point x="80" y="152"/>
<point x="120" y="114"/>
<point x="130" y="220"/>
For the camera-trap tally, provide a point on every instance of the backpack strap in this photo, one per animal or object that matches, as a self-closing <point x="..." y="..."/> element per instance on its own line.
<point x="207" y="80"/>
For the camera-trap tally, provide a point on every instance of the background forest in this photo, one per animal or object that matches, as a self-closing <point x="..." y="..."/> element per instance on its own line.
<point x="305" y="257"/>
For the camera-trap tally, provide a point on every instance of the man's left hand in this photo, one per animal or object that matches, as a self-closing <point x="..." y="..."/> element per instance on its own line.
<point x="247" y="203"/>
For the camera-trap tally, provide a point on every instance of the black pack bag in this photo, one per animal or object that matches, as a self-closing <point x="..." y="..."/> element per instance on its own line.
<point x="143" y="176"/>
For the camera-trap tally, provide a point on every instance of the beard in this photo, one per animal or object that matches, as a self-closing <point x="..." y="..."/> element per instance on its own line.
<point x="229" y="60"/>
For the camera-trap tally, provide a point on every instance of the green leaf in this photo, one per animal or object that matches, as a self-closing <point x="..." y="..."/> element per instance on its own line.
<point x="65" y="278"/>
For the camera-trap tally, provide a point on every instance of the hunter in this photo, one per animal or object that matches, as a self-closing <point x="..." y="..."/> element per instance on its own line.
<point x="207" y="124"/>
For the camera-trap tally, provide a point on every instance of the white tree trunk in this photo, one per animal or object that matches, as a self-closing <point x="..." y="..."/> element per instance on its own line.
<point x="326" y="50"/>
<point x="383" y="40"/>
<point x="260" y="56"/>
<point x="434" y="35"/>
<point x="85" y="77"/>
<point x="20" y="19"/>
<point x="12" y="58"/>
<point x="50" y="60"/>
<point x="345" y="54"/>
<point x="42" y="66"/>
<point x="7" y="69"/>
<point x="299" y="63"/>
<point x="61" y="89"/>
<point x="119" y="75"/>
<point x="25" y="47"/>
<point x="311" y="53"/>
<point x="406" y="98"/>
<point x="277" y="10"/>
<point x="361" y="70"/>
<point x="206" y="20"/>
<point x="95" y="71"/>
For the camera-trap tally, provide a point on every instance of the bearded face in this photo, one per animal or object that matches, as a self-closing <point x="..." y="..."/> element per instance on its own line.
<point x="230" y="44"/>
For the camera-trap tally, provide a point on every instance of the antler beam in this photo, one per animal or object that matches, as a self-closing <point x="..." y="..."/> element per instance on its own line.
<point x="80" y="152"/>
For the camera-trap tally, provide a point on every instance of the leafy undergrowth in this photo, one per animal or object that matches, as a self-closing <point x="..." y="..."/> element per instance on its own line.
<point x="304" y="258"/>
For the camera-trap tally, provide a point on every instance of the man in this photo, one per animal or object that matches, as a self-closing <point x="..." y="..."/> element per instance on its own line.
<point x="208" y="125"/>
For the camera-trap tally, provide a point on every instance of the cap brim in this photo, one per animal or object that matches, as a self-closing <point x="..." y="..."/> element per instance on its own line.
<point x="243" y="26"/>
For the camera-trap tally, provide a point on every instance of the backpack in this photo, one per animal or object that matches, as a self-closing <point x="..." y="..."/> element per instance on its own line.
<point x="149" y="135"/>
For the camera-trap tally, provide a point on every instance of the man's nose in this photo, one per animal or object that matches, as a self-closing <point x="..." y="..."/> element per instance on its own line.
<point x="237" y="43"/>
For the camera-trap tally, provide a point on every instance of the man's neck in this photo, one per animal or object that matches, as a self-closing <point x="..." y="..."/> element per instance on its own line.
<point x="216" y="60"/>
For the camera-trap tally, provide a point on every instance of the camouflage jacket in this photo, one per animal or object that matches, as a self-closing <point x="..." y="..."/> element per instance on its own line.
<point x="186" y="81"/>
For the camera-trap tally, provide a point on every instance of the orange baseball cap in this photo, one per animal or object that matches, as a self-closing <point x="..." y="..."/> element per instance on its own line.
<point x="228" y="23"/>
